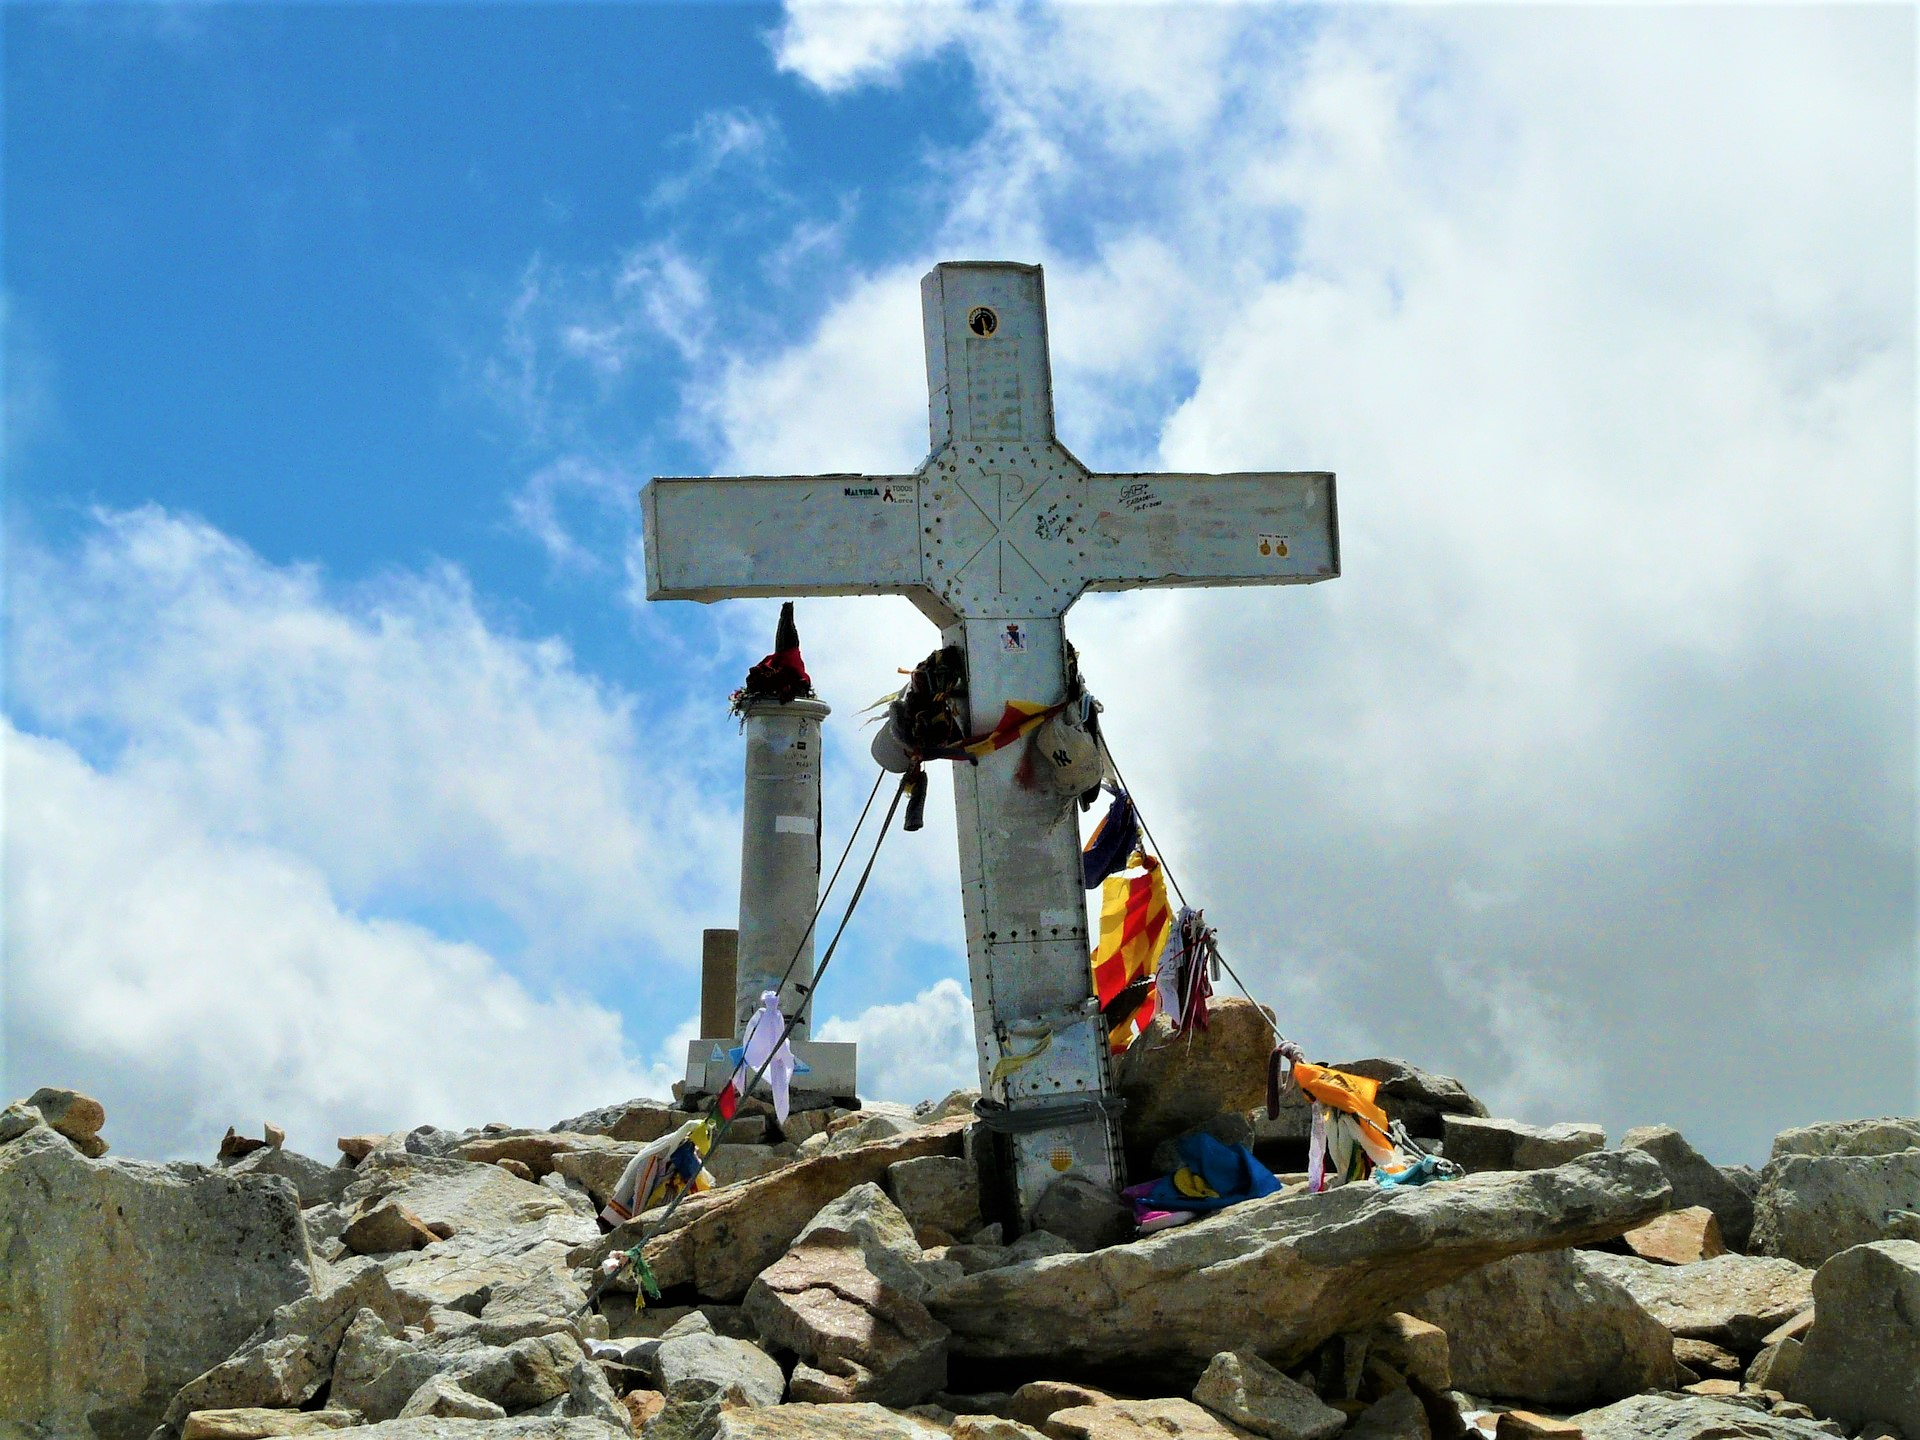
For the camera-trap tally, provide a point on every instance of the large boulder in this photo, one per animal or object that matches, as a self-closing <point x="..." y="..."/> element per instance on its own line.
<point x="1861" y="1362"/>
<point x="316" y="1184"/>
<point x="1691" y="1417"/>
<point x="1732" y="1300"/>
<point x="1476" y="1143"/>
<point x="1811" y="1207"/>
<point x="76" y="1116"/>
<point x="121" y="1281"/>
<point x="1288" y="1270"/>
<point x="515" y="1363"/>
<point x="534" y="1149"/>
<point x="706" y="1366"/>
<point x="509" y="1245"/>
<point x="523" y="1427"/>
<point x="1696" y="1180"/>
<point x="847" y="1299"/>
<point x="1172" y="1082"/>
<point x="824" y="1422"/>
<point x="1548" y="1329"/>
<point x="1881" y="1135"/>
<point x="938" y="1190"/>
<point x="1679" y="1237"/>
<point x="284" y="1363"/>
<point x="631" y="1120"/>
<point x="1142" y="1420"/>
<point x="1419" y="1099"/>
<point x="720" y="1241"/>
<point x="1240" y="1387"/>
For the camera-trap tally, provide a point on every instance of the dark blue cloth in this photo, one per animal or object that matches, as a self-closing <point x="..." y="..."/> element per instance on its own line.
<point x="1230" y="1170"/>
<point x="1113" y="842"/>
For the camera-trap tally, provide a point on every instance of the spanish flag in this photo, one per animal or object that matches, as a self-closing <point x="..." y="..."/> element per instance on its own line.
<point x="1134" y="923"/>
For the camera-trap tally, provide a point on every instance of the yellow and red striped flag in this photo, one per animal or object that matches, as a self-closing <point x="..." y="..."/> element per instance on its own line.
<point x="1020" y="718"/>
<point x="1134" y="923"/>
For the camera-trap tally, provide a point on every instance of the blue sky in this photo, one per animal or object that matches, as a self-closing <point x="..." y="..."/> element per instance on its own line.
<point x="354" y="784"/>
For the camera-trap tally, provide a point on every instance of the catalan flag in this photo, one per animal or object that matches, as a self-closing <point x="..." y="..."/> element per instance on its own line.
<point x="1021" y="718"/>
<point x="1134" y="922"/>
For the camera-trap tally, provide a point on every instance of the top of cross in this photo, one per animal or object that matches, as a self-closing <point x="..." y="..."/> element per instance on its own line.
<point x="1000" y="520"/>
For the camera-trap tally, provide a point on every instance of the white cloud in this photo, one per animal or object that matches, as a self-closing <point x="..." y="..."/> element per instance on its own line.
<point x="192" y="981"/>
<point x="730" y="138"/>
<point x="916" y="1050"/>
<point x="1613" y="352"/>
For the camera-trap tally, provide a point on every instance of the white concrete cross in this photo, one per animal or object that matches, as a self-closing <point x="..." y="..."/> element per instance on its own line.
<point x="995" y="535"/>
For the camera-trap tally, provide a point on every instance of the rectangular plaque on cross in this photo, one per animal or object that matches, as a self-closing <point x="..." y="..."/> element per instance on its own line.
<point x="993" y="537"/>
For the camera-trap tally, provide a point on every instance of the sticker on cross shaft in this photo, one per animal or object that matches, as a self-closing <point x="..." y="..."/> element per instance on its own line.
<point x="982" y="320"/>
<point x="1013" y="639"/>
<point x="1274" y="545"/>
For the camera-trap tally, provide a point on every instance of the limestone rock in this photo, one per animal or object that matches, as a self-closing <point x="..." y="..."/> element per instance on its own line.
<point x="712" y="1367"/>
<point x="510" y="1245"/>
<point x="1883" y="1135"/>
<point x="866" y="1220"/>
<point x="1085" y="1215"/>
<point x="1526" y="1425"/>
<point x="1416" y="1349"/>
<point x="941" y="1190"/>
<point x="1037" y="1400"/>
<point x="719" y="1241"/>
<point x="378" y="1373"/>
<point x="1291" y="1269"/>
<point x="731" y="1164"/>
<point x="1478" y="1144"/>
<point x="992" y="1427"/>
<point x="382" y="1228"/>
<point x="534" y="1149"/>
<point x="954" y="1102"/>
<point x="1732" y="1300"/>
<point x="1776" y="1365"/>
<point x="1140" y="1420"/>
<point x="1697" y="1180"/>
<point x="823" y="1422"/>
<point x="76" y="1116"/>
<point x="1679" y="1237"/>
<point x="864" y="1128"/>
<point x="257" y="1424"/>
<point x="1689" y="1417"/>
<point x="520" y="1427"/>
<point x="1708" y="1360"/>
<point x="444" y="1396"/>
<point x="355" y="1148"/>
<point x="1419" y="1099"/>
<point x="1549" y="1330"/>
<point x="16" y="1120"/>
<point x="1861" y="1362"/>
<point x="1395" y="1416"/>
<point x="803" y="1125"/>
<point x="283" y="1364"/>
<point x="122" y="1281"/>
<point x="317" y="1184"/>
<point x="1173" y="1082"/>
<point x="858" y="1336"/>
<point x="639" y="1120"/>
<point x="1241" y="1387"/>
<point x="1811" y="1206"/>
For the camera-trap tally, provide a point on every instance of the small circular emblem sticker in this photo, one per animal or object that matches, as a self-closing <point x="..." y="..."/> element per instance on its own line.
<point x="982" y="321"/>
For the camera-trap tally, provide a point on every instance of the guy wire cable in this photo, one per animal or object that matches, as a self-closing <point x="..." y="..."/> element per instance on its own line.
<point x="632" y="1252"/>
<point x="1179" y="894"/>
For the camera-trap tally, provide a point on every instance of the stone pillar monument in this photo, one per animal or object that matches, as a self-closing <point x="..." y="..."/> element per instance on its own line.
<point x="779" y="871"/>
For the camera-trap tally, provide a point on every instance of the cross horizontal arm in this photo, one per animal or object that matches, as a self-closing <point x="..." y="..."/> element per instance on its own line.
<point x="781" y="535"/>
<point x="1247" y="528"/>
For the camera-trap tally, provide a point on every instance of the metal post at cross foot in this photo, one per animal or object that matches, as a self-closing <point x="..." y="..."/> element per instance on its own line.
<point x="995" y="535"/>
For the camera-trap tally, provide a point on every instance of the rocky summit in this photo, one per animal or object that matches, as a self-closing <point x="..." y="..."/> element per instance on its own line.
<point x="847" y="1277"/>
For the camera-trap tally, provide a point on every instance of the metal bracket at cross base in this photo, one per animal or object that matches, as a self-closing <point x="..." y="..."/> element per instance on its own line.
<point x="993" y="537"/>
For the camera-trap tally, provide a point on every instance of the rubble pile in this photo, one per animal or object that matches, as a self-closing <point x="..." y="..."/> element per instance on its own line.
<point x="847" y="1279"/>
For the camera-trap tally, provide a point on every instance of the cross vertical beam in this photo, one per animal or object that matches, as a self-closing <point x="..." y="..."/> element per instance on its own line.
<point x="994" y="537"/>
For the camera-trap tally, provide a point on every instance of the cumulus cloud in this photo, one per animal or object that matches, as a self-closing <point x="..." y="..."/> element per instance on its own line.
<point x="1592" y="779"/>
<point x="247" y="810"/>
<point x="919" y="1049"/>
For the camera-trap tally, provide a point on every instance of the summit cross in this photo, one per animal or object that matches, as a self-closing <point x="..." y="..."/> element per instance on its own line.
<point x="993" y="537"/>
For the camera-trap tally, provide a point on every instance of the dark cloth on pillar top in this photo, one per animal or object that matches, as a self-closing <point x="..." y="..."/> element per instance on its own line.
<point x="782" y="676"/>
